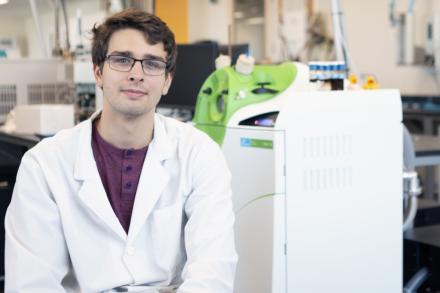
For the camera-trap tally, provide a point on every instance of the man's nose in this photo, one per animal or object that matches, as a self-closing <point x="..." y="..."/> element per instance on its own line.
<point x="136" y="73"/>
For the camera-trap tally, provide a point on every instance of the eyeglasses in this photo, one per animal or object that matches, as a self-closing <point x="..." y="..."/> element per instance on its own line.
<point x="126" y="63"/>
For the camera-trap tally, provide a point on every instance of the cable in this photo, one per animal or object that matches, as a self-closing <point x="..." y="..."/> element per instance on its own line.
<point x="392" y="8"/>
<point x="416" y="281"/>
<point x="38" y="27"/>
<point x="411" y="6"/>
<point x="66" y="23"/>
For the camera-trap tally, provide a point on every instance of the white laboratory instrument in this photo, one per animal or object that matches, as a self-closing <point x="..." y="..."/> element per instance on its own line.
<point x="45" y="119"/>
<point x="317" y="183"/>
<point x="320" y="211"/>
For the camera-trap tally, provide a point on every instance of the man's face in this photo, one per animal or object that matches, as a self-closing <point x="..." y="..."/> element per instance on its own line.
<point x="132" y="94"/>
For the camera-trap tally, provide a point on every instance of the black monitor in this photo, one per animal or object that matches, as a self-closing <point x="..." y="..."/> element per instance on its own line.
<point x="237" y="50"/>
<point x="195" y="62"/>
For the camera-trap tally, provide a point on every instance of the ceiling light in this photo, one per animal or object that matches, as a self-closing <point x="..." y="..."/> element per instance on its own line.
<point x="3" y="2"/>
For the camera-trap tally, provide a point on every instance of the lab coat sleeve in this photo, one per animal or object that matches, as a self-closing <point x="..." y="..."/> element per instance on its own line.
<point x="36" y="258"/>
<point x="209" y="235"/>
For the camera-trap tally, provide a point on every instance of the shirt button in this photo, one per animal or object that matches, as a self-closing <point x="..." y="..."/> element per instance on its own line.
<point x="128" y="168"/>
<point x="128" y="185"/>
<point x="130" y="250"/>
<point x="129" y="152"/>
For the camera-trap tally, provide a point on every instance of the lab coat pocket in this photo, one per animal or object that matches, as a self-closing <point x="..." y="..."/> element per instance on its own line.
<point x="167" y="235"/>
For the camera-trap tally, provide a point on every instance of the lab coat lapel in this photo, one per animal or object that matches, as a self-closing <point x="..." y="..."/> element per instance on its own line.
<point x="153" y="180"/>
<point x="92" y="192"/>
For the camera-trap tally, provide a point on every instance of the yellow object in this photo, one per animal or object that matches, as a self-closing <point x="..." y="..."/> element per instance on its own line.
<point x="370" y="83"/>
<point x="353" y="78"/>
<point x="175" y="14"/>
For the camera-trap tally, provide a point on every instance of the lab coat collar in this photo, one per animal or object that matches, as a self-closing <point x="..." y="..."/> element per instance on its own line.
<point x="161" y="144"/>
<point x="153" y="180"/>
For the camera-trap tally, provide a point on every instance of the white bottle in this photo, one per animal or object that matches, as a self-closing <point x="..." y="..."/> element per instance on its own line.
<point x="245" y="64"/>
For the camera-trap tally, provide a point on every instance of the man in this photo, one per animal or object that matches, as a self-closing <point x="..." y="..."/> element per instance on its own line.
<point x="127" y="201"/>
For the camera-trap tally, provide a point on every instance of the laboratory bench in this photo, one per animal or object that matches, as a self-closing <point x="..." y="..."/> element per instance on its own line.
<point x="427" y="150"/>
<point x="427" y="160"/>
<point x="421" y="121"/>
<point x="421" y="114"/>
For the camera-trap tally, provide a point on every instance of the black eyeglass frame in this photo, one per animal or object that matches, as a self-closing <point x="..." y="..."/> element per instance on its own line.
<point x="134" y="60"/>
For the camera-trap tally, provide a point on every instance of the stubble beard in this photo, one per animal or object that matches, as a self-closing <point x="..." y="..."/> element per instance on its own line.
<point x="130" y="109"/>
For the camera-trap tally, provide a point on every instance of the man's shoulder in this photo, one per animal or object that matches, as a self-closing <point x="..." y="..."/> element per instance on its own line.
<point x="193" y="146"/>
<point x="182" y="132"/>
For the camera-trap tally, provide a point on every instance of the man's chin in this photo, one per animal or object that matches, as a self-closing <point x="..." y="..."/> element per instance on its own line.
<point x="130" y="110"/>
<point x="133" y="113"/>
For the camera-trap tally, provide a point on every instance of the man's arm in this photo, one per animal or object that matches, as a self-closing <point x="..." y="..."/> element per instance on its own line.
<point x="209" y="235"/>
<point x="36" y="258"/>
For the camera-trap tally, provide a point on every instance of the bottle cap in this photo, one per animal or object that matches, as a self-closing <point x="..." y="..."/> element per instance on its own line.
<point x="245" y="64"/>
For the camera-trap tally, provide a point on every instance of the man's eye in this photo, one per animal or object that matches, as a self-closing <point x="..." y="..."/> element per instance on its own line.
<point x="121" y="60"/>
<point x="153" y="64"/>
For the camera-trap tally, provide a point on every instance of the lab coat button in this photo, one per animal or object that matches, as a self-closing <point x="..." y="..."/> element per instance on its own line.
<point x="130" y="251"/>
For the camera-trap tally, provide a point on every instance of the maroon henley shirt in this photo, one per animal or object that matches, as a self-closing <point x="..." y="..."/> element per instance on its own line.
<point x="120" y="170"/>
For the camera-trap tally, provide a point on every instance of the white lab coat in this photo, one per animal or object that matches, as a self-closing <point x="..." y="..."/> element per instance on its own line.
<point x="61" y="229"/>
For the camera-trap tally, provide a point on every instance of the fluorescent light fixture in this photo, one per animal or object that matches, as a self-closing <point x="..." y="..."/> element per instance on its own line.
<point x="3" y="2"/>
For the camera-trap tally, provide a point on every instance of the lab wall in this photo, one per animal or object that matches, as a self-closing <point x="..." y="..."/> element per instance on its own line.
<point x="14" y="31"/>
<point x="90" y="12"/>
<point x="196" y="20"/>
<point x="209" y="20"/>
<point x="252" y="33"/>
<point x="373" y="43"/>
<point x="175" y="14"/>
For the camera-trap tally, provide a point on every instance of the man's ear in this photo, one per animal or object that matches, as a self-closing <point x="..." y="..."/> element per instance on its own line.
<point x="98" y="75"/>
<point x="167" y="84"/>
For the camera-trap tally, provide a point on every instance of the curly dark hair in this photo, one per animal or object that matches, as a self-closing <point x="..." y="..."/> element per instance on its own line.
<point x="154" y="29"/>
